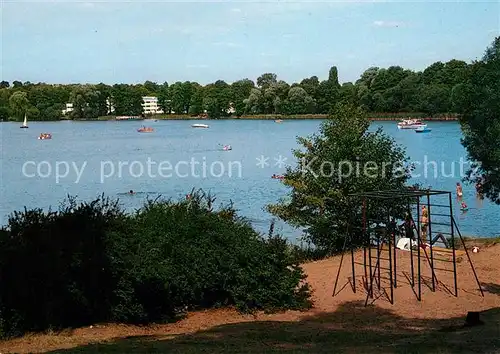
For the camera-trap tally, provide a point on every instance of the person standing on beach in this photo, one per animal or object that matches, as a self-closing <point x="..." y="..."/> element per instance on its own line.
<point x="424" y="222"/>
<point x="459" y="190"/>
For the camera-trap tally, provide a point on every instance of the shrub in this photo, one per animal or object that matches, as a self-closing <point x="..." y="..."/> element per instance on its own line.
<point x="195" y="257"/>
<point x="54" y="269"/>
<point x="91" y="262"/>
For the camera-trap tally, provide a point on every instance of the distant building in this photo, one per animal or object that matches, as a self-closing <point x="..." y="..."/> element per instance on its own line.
<point x="150" y="105"/>
<point x="110" y="106"/>
<point x="68" y="109"/>
<point x="231" y="109"/>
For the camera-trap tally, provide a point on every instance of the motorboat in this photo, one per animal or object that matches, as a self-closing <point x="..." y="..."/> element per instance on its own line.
<point x="411" y="124"/>
<point x="45" y="136"/>
<point x="278" y="121"/>
<point x="227" y="147"/>
<point x="145" y="130"/>
<point x="198" y="125"/>
<point x="422" y="129"/>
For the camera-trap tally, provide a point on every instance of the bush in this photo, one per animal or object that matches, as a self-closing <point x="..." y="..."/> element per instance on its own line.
<point x="91" y="263"/>
<point x="54" y="269"/>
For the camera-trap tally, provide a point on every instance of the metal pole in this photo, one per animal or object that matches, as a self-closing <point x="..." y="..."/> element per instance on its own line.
<point x="410" y="228"/>
<point x="390" y="260"/>
<point x="364" y="238"/>
<point x="453" y="245"/>
<point x="341" y="260"/>
<point x="378" y="256"/>
<point x="470" y="260"/>
<point x="370" y="264"/>
<point x="394" y="227"/>
<point x="369" y="257"/>
<point x="353" y="272"/>
<point x="429" y="232"/>
<point x="419" y="244"/>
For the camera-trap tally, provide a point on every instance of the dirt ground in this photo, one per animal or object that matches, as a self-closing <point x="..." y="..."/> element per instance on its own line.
<point x="336" y="324"/>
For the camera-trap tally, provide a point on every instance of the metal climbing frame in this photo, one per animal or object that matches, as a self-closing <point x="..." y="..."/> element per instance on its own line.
<point x="375" y="209"/>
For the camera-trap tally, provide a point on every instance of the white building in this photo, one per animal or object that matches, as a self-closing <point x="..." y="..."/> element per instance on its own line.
<point x="150" y="105"/>
<point x="231" y="109"/>
<point x="110" y="106"/>
<point x="68" y="109"/>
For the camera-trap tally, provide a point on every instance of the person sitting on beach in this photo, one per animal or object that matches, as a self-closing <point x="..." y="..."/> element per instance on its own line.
<point x="459" y="190"/>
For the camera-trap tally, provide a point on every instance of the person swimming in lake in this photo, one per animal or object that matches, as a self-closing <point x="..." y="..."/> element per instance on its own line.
<point x="131" y="192"/>
<point x="479" y="189"/>
<point x="459" y="190"/>
<point x="463" y="206"/>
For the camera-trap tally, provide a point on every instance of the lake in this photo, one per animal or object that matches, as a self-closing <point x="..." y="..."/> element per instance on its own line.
<point x="92" y="158"/>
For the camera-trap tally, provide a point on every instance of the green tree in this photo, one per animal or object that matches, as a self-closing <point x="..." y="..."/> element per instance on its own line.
<point x="299" y="102"/>
<point x="85" y="100"/>
<point x="240" y="91"/>
<point x="480" y="121"/>
<point x="435" y="99"/>
<point x="19" y="104"/>
<point x="152" y="88"/>
<point x="216" y="99"/>
<point x="4" y="104"/>
<point x="127" y="99"/>
<point x="253" y="104"/>
<point x="164" y="99"/>
<point x="343" y="158"/>
<point x="266" y="80"/>
<point x="196" y="104"/>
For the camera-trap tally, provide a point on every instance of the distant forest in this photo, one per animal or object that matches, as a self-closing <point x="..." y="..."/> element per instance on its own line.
<point x="434" y="91"/>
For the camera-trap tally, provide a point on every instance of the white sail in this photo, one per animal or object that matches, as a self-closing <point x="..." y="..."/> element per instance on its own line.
<point x="25" y="124"/>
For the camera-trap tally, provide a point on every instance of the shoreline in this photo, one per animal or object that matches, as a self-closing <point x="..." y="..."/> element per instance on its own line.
<point x="393" y="118"/>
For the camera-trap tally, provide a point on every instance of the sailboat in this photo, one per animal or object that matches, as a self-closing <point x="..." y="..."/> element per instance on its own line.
<point x="25" y="123"/>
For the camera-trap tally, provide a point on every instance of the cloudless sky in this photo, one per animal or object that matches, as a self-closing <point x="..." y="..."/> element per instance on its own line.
<point x="203" y="41"/>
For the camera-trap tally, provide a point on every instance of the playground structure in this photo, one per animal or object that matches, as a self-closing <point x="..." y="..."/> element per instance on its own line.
<point x="378" y="236"/>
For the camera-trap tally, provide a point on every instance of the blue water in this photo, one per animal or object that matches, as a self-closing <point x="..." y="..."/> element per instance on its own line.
<point x="103" y="146"/>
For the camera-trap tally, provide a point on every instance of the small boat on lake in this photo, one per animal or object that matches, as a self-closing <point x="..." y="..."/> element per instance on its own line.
<point x="227" y="147"/>
<point x="278" y="121"/>
<point x="422" y="129"/>
<point x="144" y="129"/>
<point x="411" y="124"/>
<point x="198" y="125"/>
<point x="25" y="123"/>
<point x="45" y="136"/>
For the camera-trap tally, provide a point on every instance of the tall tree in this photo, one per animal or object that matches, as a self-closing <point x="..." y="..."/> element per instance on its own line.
<point x="240" y="90"/>
<point x="343" y="158"/>
<point x="480" y="121"/>
<point x="19" y="104"/>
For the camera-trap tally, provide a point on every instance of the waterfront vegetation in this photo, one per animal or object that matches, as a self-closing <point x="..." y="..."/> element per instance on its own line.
<point x="92" y="262"/>
<point x="319" y="199"/>
<point x="429" y="93"/>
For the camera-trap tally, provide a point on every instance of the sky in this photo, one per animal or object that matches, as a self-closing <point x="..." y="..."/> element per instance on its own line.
<point x="204" y="41"/>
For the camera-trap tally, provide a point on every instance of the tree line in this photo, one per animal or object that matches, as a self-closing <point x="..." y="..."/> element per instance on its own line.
<point x="388" y="90"/>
